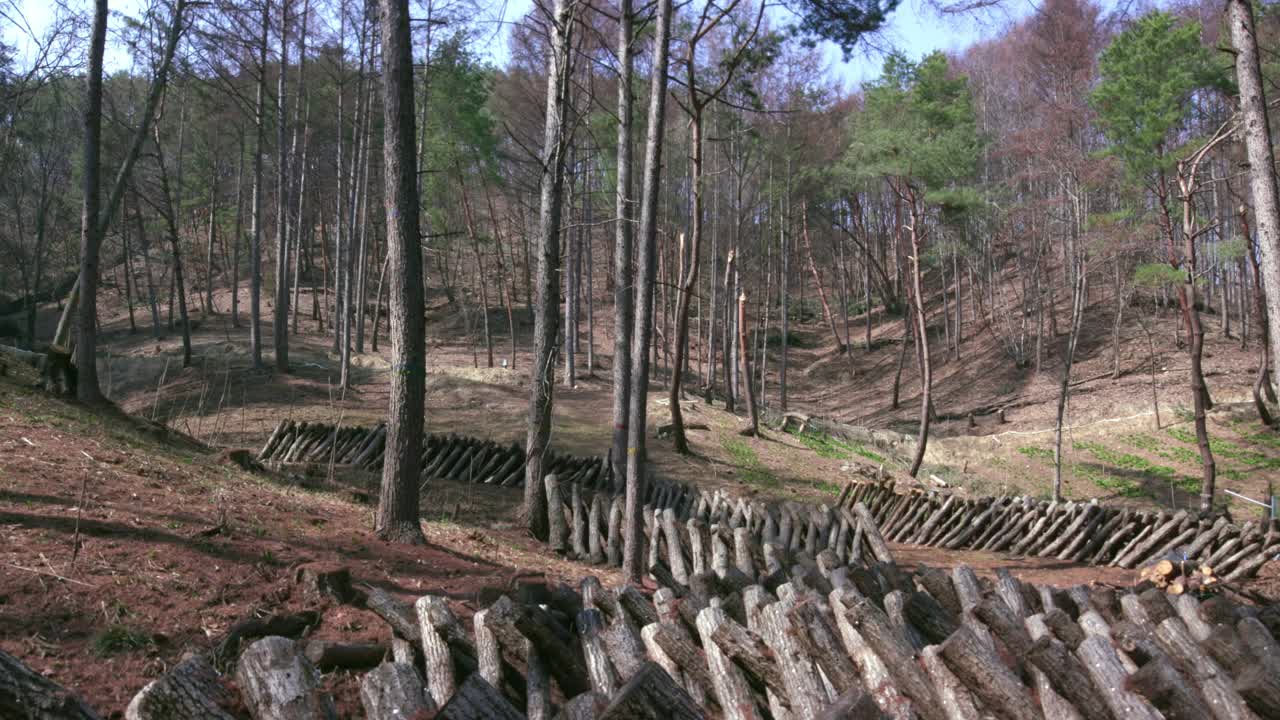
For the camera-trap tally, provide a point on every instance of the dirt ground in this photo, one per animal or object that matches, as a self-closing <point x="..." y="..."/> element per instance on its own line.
<point x="149" y="582"/>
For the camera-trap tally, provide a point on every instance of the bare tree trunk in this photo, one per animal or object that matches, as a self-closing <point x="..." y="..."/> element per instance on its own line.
<point x="922" y="337"/>
<point x="1262" y="383"/>
<point x="1261" y="154"/>
<point x="646" y="272"/>
<point x="817" y="277"/>
<point x="94" y="218"/>
<point x="753" y="416"/>
<point x="238" y="239"/>
<point x="208" y="255"/>
<point x="1064" y="386"/>
<point x="90" y="238"/>
<point x="623" y="291"/>
<point x="481" y="277"/>
<point x="546" y="317"/>
<point x="280" y="314"/>
<point x="397" y="517"/>
<point x="256" y="219"/>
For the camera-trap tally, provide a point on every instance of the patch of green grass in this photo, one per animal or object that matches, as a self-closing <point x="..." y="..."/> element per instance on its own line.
<point x="827" y="487"/>
<point x="834" y="448"/>
<point x="1125" y="461"/>
<point x="1040" y="453"/>
<point x="753" y="472"/>
<point x="1229" y="450"/>
<point x="1143" y="441"/>
<point x="1123" y="487"/>
<point x="118" y="638"/>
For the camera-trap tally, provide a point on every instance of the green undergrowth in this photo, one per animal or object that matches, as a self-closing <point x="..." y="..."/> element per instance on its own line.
<point x="1229" y="450"/>
<point x="118" y="638"/>
<point x="836" y="449"/>
<point x="752" y="471"/>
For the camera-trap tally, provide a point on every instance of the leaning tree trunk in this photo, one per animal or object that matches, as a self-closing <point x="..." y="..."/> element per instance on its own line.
<point x="922" y="339"/>
<point x="1261" y="154"/>
<point x="546" y="319"/>
<point x="646" y="272"/>
<point x="397" y="517"/>
<point x="817" y="277"/>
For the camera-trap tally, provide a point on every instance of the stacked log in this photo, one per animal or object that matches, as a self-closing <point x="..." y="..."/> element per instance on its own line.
<point x="1080" y="532"/>
<point x="444" y="456"/>
<point x="827" y="640"/>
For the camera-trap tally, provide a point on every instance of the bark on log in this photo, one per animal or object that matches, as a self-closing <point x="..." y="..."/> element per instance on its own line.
<point x="957" y="701"/>
<point x="394" y="690"/>
<point x="190" y="690"/>
<point x="1108" y="674"/>
<point x="476" y="699"/>
<point x="336" y="655"/>
<point x="898" y="656"/>
<point x="279" y="683"/>
<point x="652" y="695"/>
<point x="980" y="669"/>
<point x="435" y="649"/>
<point x="730" y="686"/>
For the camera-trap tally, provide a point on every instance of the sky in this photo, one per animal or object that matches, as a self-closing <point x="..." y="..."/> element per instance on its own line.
<point x="914" y="28"/>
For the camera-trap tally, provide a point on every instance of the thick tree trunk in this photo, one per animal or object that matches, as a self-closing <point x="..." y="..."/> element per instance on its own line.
<point x="546" y="318"/>
<point x="397" y="517"/>
<point x="1261" y="154"/>
<point x="646" y="273"/>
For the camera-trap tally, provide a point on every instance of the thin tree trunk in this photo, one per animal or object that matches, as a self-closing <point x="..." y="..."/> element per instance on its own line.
<point x="208" y="255"/>
<point x="753" y="416"/>
<point x="922" y="337"/>
<point x="546" y="317"/>
<point x="623" y="291"/>
<point x="646" y="272"/>
<point x="256" y="219"/>
<point x="817" y="277"/>
<point x="1064" y="386"/>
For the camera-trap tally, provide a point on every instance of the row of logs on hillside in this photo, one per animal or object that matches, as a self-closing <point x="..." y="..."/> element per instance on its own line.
<point x="448" y="456"/>
<point x="1083" y="532"/>
<point x="813" y="639"/>
<point x="688" y="531"/>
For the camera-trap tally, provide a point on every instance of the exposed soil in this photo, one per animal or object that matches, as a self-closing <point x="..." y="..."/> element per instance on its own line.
<point x="147" y="586"/>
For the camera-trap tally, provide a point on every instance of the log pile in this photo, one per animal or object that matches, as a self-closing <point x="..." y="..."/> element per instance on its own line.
<point x="444" y="456"/>
<point x="1081" y="532"/>
<point x="812" y="639"/>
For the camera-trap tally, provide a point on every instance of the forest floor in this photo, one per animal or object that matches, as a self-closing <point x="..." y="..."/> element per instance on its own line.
<point x="150" y="580"/>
